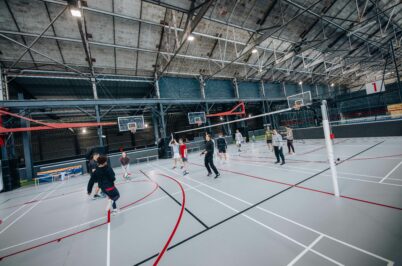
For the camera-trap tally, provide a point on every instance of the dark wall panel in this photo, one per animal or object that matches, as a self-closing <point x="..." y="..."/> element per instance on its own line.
<point x="219" y="89"/>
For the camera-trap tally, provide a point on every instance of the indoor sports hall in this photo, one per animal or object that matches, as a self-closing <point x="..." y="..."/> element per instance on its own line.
<point x="200" y="132"/>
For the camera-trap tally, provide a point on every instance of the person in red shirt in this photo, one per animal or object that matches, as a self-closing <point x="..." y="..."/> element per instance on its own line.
<point x="183" y="155"/>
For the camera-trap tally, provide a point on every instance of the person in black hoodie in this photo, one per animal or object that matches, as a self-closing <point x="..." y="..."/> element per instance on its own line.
<point x="106" y="178"/>
<point x="209" y="156"/>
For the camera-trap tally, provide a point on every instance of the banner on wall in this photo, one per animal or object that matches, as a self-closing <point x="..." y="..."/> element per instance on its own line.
<point x="375" y="87"/>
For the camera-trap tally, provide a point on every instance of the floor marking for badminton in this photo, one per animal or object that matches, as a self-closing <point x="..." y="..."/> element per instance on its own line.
<point x="63" y="237"/>
<point x="309" y="171"/>
<point x="91" y="221"/>
<point x="36" y="204"/>
<point x="176" y="226"/>
<point x="292" y="221"/>
<point x="298" y="257"/>
<point x="259" y="223"/>
<point x="390" y="172"/>
<point x="108" y="239"/>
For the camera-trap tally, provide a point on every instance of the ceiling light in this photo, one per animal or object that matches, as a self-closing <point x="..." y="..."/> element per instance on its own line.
<point x="75" y="12"/>
<point x="146" y="125"/>
<point x="84" y="130"/>
<point x="254" y="51"/>
<point x="300" y="82"/>
<point x="332" y="85"/>
<point x="190" y="38"/>
<point x="221" y="118"/>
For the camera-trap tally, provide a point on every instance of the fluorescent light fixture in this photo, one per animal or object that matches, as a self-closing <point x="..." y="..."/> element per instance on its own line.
<point x="190" y="38"/>
<point x="75" y="12"/>
<point x="254" y="51"/>
<point x="84" y="130"/>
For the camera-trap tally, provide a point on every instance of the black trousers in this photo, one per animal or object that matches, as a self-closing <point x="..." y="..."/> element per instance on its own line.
<point x="114" y="195"/>
<point x="290" y="145"/>
<point x="279" y="153"/>
<point x="91" y="183"/>
<point x="209" y="163"/>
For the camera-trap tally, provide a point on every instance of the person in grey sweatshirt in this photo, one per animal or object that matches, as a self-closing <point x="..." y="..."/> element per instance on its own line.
<point x="277" y="142"/>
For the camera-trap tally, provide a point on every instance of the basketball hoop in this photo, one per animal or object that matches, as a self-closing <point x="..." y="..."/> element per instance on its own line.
<point x="199" y="123"/>
<point x="132" y="127"/>
<point x="297" y="105"/>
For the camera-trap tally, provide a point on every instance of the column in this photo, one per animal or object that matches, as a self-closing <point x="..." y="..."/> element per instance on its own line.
<point x="26" y="142"/>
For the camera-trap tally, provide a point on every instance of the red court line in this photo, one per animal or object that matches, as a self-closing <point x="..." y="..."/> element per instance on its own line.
<point x="183" y="202"/>
<point x="62" y="195"/>
<point x="310" y="189"/>
<point x="78" y="232"/>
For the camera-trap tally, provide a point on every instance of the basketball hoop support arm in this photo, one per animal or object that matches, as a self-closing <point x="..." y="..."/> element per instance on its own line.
<point x="330" y="149"/>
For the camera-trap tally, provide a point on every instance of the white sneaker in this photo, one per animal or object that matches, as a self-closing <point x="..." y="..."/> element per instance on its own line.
<point x="115" y="211"/>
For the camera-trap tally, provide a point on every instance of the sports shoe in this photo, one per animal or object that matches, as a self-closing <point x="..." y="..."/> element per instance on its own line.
<point x="115" y="211"/>
<point x="181" y="167"/>
<point x="217" y="175"/>
<point x="96" y="196"/>
<point x="174" y="167"/>
<point x="209" y="174"/>
<point x="277" y="162"/>
<point x="185" y="173"/>
<point x="282" y="163"/>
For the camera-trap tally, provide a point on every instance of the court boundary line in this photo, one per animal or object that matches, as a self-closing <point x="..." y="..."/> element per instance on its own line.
<point x="390" y="172"/>
<point x="288" y="219"/>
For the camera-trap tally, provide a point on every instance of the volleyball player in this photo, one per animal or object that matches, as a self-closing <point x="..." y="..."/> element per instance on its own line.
<point x="106" y="178"/>
<point x="289" y="139"/>
<point x="125" y="165"/>
<point x="176" y="154"/>
<point x="183" y="155"/>
<point x="278" y="147"/>
<point x="239" y="139"/>
<point x="222" y="146"/>
<point x="92" y="180"/>
<point x="209" y="156"/>
<point x="268" y="138"/>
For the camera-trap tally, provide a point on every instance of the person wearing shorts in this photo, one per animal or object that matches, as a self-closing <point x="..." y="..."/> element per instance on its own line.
<point x="106" y="178"/>
<point x="176" y="154"/>
<point x="268" y="138"/>
<point x="184" y="156"/>
<point x="222" y="146"/>
<point x="239" y="139"/>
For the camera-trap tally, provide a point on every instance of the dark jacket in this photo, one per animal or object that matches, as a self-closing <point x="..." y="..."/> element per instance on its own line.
<point x="124" y="160"/>
<point x="209" y="147"/>
<point x="221" y="143"/>
<point x="92" y="166"/>
<point x="105" y="176"/>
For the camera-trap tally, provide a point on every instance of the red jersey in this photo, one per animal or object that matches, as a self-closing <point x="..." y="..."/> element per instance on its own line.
<point x="182" y="148"/>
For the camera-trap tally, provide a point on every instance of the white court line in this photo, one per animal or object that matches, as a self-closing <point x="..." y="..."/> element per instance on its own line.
<point x="390" y="172"/>
<point x="36" y="204"/>
<point x="254" y="220"/>
<point x="88" y="222"/>
<point x="296" y="223"/>
<point x="298" y="257"/>
<point x="108" y="243"/>
<point x="15" y="211"/>
<point x="309" y="171"/>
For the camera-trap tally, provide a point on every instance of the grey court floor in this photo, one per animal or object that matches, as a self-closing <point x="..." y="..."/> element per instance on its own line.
<point x="256" y="213"/>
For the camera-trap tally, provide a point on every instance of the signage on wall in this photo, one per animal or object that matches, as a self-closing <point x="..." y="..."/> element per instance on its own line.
<point x="375" y="87"/>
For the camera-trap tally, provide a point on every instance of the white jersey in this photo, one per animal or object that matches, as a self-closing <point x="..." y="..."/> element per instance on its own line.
<point x="238" y="137"/>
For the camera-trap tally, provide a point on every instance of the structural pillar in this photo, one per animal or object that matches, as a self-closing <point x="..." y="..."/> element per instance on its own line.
<point x="398" y="80"/>
<point x="262" y="95"/>
<point x="97" y="111"/>
<point x="155" y="126"/>
<point x="163" y="124"/>
<point x="26" y="142"/>
<point x="202" y="87"/>
<point x="156" y="84"/>
<point x="236" y="88"/>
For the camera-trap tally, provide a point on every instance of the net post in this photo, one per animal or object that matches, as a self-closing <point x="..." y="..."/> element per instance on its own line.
<point x="330" y="149"/>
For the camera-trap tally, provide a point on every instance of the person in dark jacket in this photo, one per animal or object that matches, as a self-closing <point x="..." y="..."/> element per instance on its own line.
<point x="222" y="146"/>
<point x="125" y="165"/>
<point x="209" y="156"/>
<point x="92" y="180"/>
<point x="106" y="178"/>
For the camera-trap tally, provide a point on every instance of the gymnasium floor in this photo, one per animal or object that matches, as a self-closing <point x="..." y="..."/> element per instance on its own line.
<point x="257" y="213"/>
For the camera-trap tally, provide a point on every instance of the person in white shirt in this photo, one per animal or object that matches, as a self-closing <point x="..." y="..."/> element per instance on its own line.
<point x="239" y="139"/>
<point x="289" y="139"/>
<point x="176" y="154"/>
<point x="278" y="147"/>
